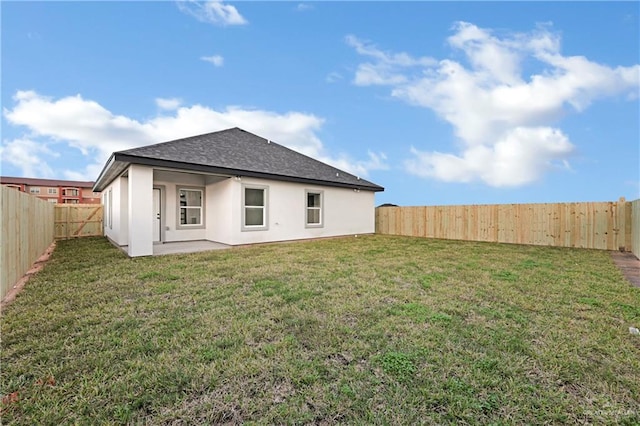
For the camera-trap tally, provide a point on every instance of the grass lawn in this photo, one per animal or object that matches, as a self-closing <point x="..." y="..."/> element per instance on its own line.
<point x="367" y="330"/>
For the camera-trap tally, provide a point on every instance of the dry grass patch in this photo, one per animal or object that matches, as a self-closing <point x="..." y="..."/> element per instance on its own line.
<point x="378" y="329"/>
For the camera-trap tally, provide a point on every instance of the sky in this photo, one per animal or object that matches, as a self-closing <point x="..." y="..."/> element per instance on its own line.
<point x="438" y="102"/>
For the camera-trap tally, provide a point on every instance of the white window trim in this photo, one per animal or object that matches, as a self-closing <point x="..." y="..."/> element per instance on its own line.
<point x="306" y="208"/>
<point x="52" y="191"/>
<point x="201" y="225"/>
<point x="265" y="211"/>
<point x="34" y="190"/>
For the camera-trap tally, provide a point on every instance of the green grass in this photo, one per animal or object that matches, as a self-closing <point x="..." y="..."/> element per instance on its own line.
<point x="367" y="330"/>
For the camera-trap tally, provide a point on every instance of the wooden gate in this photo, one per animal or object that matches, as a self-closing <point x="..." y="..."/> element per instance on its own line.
<point x="78" y="220"/>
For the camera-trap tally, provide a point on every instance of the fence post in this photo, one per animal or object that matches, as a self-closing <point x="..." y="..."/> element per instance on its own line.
<point x="610" y="225"/>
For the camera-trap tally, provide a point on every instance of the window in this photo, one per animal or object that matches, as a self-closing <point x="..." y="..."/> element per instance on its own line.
<point x="314" y="209"/>
<point x="110" y="211"/>
<point x="190" y="204"/>
<point x="34" y="190"/>
<point x="254" y="207"/>
<point x="70" y="192"/>
<point x="52" y="191"/>
<point x="105" y="206"/>
<point x="71" y="201"/>
<point x="52" y="200"/>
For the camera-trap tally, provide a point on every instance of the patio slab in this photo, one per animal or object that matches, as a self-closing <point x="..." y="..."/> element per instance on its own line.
<point x="187" y="247"/>
<point x="629" y="265"/>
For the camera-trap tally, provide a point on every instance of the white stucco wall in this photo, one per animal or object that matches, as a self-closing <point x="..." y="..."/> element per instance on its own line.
<point x="169" y="182"/>
<point x="346" y="212"/>
<point x="117" y="228"/>
<point x="123" y="210"/>
<point x="140" y="210"/>
<point x="220" y="202"/>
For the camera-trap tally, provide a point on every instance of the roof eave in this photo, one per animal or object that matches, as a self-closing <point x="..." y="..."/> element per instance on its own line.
<point x="105" y="177"/>
<point x="119" y="157"/>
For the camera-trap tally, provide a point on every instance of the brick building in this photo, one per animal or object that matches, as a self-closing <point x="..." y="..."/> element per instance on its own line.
<point x="53" y="190"/>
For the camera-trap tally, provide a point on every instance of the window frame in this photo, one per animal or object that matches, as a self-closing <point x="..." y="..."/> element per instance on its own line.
<point x="265" y="209"/>
<point x="34" y="190"/>
<point x="52" y="191"/>
<point x="320" y="209"/>
<point x="201" y="225"/>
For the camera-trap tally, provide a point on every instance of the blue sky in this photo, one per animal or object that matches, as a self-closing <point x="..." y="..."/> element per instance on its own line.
<point x="440" y="103"/>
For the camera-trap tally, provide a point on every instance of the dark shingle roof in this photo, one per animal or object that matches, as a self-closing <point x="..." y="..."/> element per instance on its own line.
<point x="236" y="152"/>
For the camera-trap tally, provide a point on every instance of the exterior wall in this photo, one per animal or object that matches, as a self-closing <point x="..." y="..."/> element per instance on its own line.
<point x="169" y="182"/>
<point x="116" y="224"/>
<point x="89" y="197"/>
<point x="49" y="193"/>
<point x="140" y="209"/>
<point x="122" y="209"/>
<point x="220" y="202"/>
<point x="345" y="211"/>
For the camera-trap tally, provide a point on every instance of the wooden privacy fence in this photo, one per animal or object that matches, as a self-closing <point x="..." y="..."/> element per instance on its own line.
<point x="598" y="225"/>
<point x="78" y="220"/>
<point x="635" y="227"/>
<point x="26" y="227"/>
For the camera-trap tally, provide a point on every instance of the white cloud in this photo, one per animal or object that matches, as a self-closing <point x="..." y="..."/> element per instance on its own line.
<point x="503" y="120"/>
<point x="333" y="77"/>
<point x="386" y="68"/>
<point x="212" y="12"/>
<point x="361" y="168"/>
<point x="97" y="132"/>
<point x="302" y="7"/>
<point x="518" y="158"/>
<point x="168" y="103"/>
<point x="216" y="60"/>
<point x="27" y="155"/>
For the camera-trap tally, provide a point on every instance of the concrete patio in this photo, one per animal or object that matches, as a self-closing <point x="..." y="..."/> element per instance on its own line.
<point x="187" y="247"/>
<point x="184" y="247"/>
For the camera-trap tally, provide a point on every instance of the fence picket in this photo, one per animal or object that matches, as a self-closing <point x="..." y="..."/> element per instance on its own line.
<point x="599" y="225"/>
<point x="26" y="226"/>
<point x="78" y="220"/>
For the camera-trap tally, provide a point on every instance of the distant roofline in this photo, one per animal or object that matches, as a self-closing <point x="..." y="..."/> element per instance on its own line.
<point x="45" y="182"/>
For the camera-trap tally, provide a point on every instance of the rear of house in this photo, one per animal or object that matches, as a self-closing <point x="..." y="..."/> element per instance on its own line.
<point x="230" y="187"/>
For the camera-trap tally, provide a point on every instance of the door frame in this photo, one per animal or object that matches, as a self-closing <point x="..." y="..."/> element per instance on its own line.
<point x="161" y="189"/>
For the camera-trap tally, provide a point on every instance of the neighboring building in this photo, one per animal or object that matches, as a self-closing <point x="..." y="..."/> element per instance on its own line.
<point x="231" y="187"/>
<point x="55" y="191"/>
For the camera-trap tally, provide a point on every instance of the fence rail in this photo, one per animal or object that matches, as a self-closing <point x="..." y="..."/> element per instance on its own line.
<point x="26" y="229"/>
<point x="597" y="225"/>
<point x="78" y="220"/>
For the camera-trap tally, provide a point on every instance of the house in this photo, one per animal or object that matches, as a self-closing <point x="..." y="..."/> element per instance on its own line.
<point x="54" y="190"/>
<point x="230" y="187"/>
